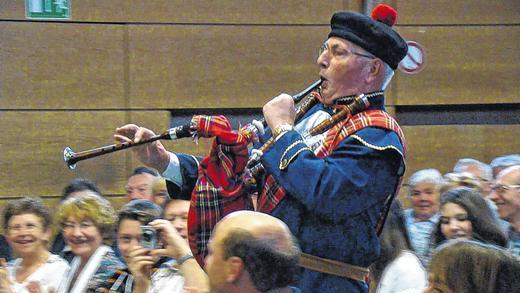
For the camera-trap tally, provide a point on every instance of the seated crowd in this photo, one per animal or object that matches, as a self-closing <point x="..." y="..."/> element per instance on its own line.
<point x="467" y="221"/>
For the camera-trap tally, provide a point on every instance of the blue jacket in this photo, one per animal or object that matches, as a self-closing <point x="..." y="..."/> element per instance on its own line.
<point x="332" y="204"/>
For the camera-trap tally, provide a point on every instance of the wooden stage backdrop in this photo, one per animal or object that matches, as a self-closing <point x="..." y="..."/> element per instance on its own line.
<point x="72" y="82"/>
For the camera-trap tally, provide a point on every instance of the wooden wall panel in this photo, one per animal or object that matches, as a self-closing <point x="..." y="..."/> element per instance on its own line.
<point x="457" y="12"/>
<point x="31" y="151"/>
<point x="465" y="65"/>
<point x="441" y="146"/>
<point x="219" y="66"/>
<point x="278" y="12"/>
<point x="61" y="66"/>
<point x="206" y="11"/>
<point x="143" y="57"/>
<point x="233" y="11"/>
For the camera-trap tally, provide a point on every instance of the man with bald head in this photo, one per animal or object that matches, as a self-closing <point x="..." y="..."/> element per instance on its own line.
<point x="252" y="252"/>
<point x="506" y="195"/>
<point x="248" y="252"/>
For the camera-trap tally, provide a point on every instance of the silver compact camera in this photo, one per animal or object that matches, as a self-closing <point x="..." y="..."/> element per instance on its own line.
<point x="148" y="237"/>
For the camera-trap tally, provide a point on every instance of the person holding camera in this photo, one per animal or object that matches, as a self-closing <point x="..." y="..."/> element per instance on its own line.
<point x="153" y="265"/>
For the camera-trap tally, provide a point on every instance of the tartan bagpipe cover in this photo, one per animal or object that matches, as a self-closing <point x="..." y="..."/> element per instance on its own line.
<point x="220" y="187"/>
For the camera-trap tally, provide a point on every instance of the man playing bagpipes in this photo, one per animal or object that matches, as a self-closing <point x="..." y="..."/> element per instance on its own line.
<point x="332" y="189"/>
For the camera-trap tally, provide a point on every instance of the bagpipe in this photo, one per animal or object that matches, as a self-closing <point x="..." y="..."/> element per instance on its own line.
<point x="226" y="174"/>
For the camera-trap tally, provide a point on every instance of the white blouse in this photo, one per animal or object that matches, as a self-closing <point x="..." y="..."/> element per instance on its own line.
<point x="403" y="273"/>
<point x="49" y="275"/>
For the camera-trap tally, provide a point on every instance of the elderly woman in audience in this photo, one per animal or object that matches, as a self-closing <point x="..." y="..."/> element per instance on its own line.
<point x="76" y="187"/>
<point x="469" y="267"/>
<point x="151" y="268"/>
<point x="86" y="220"/>
<point x="421" y="219"/>
<point x="28" y="225"/>
<point x="465" y="215"/>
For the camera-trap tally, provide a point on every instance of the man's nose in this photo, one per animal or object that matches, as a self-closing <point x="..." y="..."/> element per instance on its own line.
<point x="493" y="195"/>
<point x="132" y="194"/>
<point x="322" y="60"/>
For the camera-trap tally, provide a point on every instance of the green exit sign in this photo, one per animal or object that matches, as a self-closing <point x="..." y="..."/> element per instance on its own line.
<point x="47" y="9"/>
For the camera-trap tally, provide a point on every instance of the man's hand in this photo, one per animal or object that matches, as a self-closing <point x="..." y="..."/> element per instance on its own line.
<point x="151" y="154"/>
<point x="175" y="245"/>
<point x="279" y="110"/>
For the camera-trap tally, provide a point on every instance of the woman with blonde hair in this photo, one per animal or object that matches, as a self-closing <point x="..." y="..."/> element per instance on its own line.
<point x="86" y="220"/>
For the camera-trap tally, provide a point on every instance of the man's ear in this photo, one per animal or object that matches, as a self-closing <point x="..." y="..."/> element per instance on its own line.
<point x="375" y="70"/>
<point x="235" y="267"/>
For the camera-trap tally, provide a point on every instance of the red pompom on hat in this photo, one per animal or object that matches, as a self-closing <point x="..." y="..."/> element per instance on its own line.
<point x="385" y="14"/>
<point x="374" y="34"/>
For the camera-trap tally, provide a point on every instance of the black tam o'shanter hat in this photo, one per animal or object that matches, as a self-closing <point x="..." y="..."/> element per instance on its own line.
<point x="372" y="34"/>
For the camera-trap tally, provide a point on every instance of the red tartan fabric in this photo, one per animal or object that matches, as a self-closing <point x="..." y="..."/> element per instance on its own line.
<point x="273" y="193"/>
<point x="219" y="189"/>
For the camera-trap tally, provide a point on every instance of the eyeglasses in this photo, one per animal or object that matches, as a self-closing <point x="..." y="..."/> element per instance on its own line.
<point x="27" y="227"/>
<point x="67" y="226"/>
<point x="502" y="188"/>
<point x="338" y="52"/>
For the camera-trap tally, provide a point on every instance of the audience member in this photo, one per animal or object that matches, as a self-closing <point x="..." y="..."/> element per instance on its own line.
<point x="75" y="187"/>
<point x="469" y="267"/>
<point x="500" y="163"/>
<point x="28" y="225"/>
<point x="506" y="195"/>
<point x="471" y="171"/>
<point x="464" y="179"/>
<point x="482" y="172"/>
<point x="423" y="216"/>
<point x="176" y="212"/>
<point x="397" y="268"/>
<point x="139" y="185"/>
<point x="86" y="220"/>
<point x="148" y="273"/>
<point x="251" y="252"/>
<point x="160" y="191"/>
<point x="465" y="215"/>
